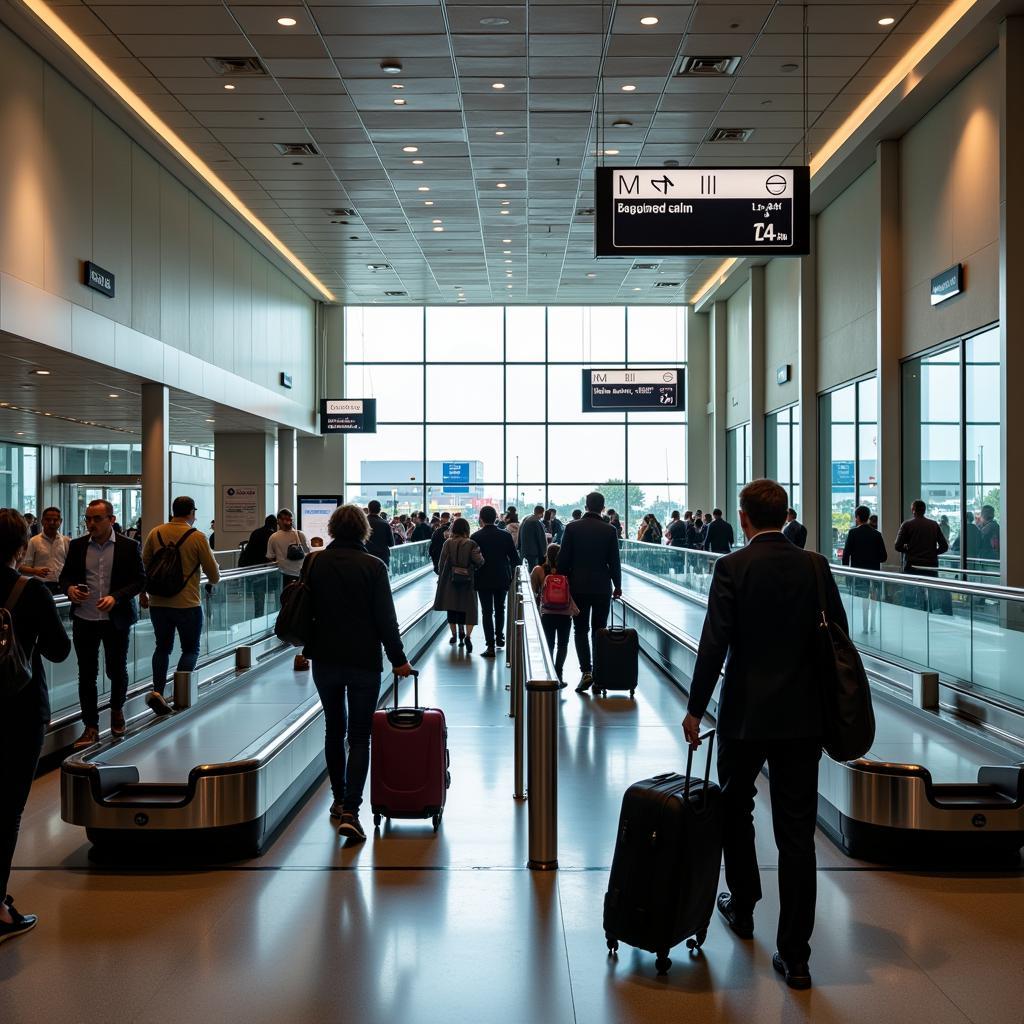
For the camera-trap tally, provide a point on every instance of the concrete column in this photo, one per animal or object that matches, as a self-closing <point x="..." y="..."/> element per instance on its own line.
<point x="719" y="349"/>
<point x="243" y="460"/>
<point x="698" y="409"/>
<point x="1011" y="296"/>
<point x="756" y="342"/>
<point x="156" y="458"/>
<point x="808" y="381"/>
<point x="286" y="475"/>
<point x="889" y="340"/>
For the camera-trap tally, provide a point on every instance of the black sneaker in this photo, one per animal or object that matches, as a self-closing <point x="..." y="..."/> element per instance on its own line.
<point x="797" y="974"/>
<point x="350" y="827"/>
<point x="742" y="924"/>
<point x="157" y="703"/>
<point x="489" y="653"/>
<point x="586" y="681"/>
<point x="499" y="641"/>
<point x="20" y="923"/>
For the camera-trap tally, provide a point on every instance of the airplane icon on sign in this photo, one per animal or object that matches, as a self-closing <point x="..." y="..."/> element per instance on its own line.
<point x="662" y="184"/>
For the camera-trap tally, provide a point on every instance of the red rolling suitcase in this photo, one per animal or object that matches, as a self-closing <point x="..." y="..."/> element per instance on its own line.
<point x="665" y="872"/>
<point x="616" y="656"/>
<point x="409" y="761"/>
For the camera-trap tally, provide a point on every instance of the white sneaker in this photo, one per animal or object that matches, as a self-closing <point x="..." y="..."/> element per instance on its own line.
<point x="336" y="809"/>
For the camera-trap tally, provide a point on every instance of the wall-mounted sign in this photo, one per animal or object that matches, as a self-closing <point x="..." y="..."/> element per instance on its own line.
<point x="706" y="211"/>
<point x="240" y="508"/>
<point x="98" y="279"/>
<point x="348" y="416"/>
<point x="286" y="379"/>
<point x="947" y="284"/>
<point x="783" y="374"/>
<point x="843" y="476"/>
<point x="654" y="390"/>
<point x="455" y="477"/>
<point x="315" y="513"/>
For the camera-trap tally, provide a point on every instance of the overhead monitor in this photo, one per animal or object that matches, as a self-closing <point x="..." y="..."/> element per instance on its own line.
<point x="651" y="389"/>
<point x="348" y="416"/>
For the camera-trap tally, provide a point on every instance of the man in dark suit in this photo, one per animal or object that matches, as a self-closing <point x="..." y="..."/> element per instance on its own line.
<point x="590" y="558"/>
<point x="533" y="541"/>
<point x="695" y="531"/>
<point x="794" y="531"/>
<point x="920" y="542"/>
<point x="719" y="535"/>
<point x="422" y="530"/>
<point x="762" y="623"/>
<point x="382" y="540"/>
<point x="865" y="549"/>
<point x="102" y="575"/>
<point x="493" y="578"/>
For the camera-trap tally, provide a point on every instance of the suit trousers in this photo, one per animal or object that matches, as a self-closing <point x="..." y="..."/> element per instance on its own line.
<point x="87" y="637"/>
<point x="594" y="611"/>
<point x="492" y="607"/>
<point x="793" y="787"/>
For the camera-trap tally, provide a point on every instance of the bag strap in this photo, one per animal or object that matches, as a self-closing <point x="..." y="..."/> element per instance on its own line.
<point x="819" y="581"/>
<point x="14" y="594"/>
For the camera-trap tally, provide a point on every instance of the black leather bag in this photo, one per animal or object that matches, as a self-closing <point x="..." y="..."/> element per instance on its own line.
<point x="849" y="717"/>
<point x="296" y="619"/>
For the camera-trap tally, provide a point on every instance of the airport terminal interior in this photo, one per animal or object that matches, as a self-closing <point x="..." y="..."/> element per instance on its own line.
<point x="433" y="259"/>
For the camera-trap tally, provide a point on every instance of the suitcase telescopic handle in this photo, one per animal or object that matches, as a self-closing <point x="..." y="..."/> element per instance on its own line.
<point x="415" y="689"/>
<point x="622" y="607"/>
<point x="710" y="736"/>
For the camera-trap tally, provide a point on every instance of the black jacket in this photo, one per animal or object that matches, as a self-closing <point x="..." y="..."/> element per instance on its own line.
<point x="500" y="558"/>
<point x="437" y="539"/>
<point x="36" y="625"/>
<point x="421" y="532"/>
<point x="864" y="548"/>
<point x="719" y="536"/>
<point x="761" y="623"/>
<point x="590" y="556"/>
<point x="255" y="550"/>
<point x="796" y="533"/>
<point x="127" y="577"/>
<point x="676" y="532"/>
<point x="381" y="541"/>
<point x="920" y="542"/>
<point x="354" y="612"/>
<point x="533" y="541"/>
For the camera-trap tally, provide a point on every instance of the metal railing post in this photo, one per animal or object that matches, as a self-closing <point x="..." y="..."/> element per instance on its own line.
<point x="510" y="616"/>
<point x="514" y="645"/>
<point x="542" y="781"/>
<point x="519" y="725"/>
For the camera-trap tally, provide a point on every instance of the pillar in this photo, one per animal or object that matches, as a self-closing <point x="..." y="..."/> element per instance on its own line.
<point x="321" y="465"/>
<point x="718" y="346"/>
<point x="286" y="467"/>
<point x="807" y="370"/>
<point x="756" y="342"/>
<point x="156" y="458"/>
<point x="242" y="461"/>
<point x="698" y="409"/>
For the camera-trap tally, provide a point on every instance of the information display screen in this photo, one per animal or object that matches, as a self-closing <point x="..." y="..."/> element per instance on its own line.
<point x="315" y="513"/>
<point x="348" y="416"/>
<point x="705" y="211"/>
<point x="646" y="390"/>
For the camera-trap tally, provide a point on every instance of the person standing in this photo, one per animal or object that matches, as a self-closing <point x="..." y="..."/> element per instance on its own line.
<point x="456" y="568"/>
<point x="38" y="631"/>
<point x="553" y="525"/>
<point x="794" y="531"/>
<point x="287" y="547"/>
<point x="102" y="576"/>
<point x="47" y="551"/>
<point x="437" y="539"/>
<point x="761" y="624"/>
<point x="255" y="553"/>
<point x="422" y="530"/>
<point x="675" y="532"/>
<point x="494" y="577"/>
<point x="695" y="537"/>
<point x="988" y="529"/>
<point x="589" y="556"/>
<point x="719" y="535"/>
<point x="382" y="540"/>
<point x="180" y="613"/>
<point x="512" y="524"/>
<point x="34" y="528"/>
<point x="865" y="549"/>
<point x="533" y="541"/>
<point x="920" y="542"/>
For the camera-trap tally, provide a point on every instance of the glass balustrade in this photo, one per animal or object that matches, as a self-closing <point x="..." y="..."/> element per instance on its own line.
<point x="685" y="568"/>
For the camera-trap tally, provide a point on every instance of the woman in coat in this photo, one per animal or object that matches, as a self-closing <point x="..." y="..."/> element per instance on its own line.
<point x="456" y="595"/>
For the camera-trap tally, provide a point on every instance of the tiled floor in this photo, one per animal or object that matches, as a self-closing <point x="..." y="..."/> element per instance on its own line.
<point x="452" y="928"/>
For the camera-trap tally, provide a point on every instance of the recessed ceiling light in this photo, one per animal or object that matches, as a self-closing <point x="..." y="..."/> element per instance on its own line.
<point x="494" y="22"/>
<point x="209" y="420"/>
<point x="19" y="433"/>
<point x="41" y="373"/>
<point x="438" y="229"/>
<point x="507" y="241"/>
<point x="506" y="202"/>
<point x="591" y="275"/>
<point x="397" y="85"/>
<point x="112" y="395"/>
<point x="506" y="252"/>
<point x="636" y="289"/>
<point x="505" y="212"/>
<point x="508" y="261"/>
<point x="501" y="184"/>
<point x="629" y="88"/>
<point x="611" y="152"/>
<point x="622" y="122"/>
<point x="418" y="163"/>
<point x="410" y="149"/>
<point x="391" y="67"/>
<point x="886" y="21"/>
<point x="649" y="20"/>
<point x="428" y="202"/>
<point x="508" y="286"/>
<point x="790" y="68"/>
<point x="423" y="188"/>
<point x="286" y="22"/>
<point x="436" y="220"/>
<point x="497" y="85"/>
<point x="399" y="102"/>
<point x="229" y="87"/>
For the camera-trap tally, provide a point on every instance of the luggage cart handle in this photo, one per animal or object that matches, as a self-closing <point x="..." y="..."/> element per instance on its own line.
<point x="415" y="690"/>
<point x="709" y="735"/>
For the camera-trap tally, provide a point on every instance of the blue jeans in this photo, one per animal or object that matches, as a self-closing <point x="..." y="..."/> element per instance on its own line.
<point x="188" y="624"/>
<point x="349" y="698"/>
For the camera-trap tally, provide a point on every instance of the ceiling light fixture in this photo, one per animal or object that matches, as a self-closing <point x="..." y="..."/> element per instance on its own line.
<point x="397" y="85"/>
<point x="505" y="212"/>
<point x="629" y="88"/>
<point x="286" y="22"/>
<point x="508" y="261"/>
<point x="649" y="20"/>
<point x="417" y="163"/>
<point x="499" y="134"/>
<point x="391" y="67"/>
<point x="507" y="241"/>
<point x="423" y="188"/>
<point x="41" y="373"/>
<point x="611" y="152"/>
<point x="48" y="16"/>
<point x="209" y="420"/>
<point x="494" y="22"/>
<point x="436" y="220"/>
<point x="622" y="123"/>
<point x="428" y="202"/>
<point x="886" y="21"/>
<point x="506" y="202"/>
<point x="229" y="87"/>
<point x="438" y="229"/>
<point x="497" y="85"/>
<point x="112" y="395"/>
<point x="506" y="252"/>
<point x="399" y="102"/>
<point x="591" y="275"/>
<point x="501" y="184"/>
<point x="410" y="149"/>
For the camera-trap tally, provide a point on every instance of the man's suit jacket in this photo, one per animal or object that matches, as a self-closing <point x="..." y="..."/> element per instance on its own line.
<point x="719" y="536"/>
<point x="533" y="541"/>
<point x="500" y="558"/>
<point x="127" y="577"/>
<point x="422" y="532"/>
<point x="796" y="533"/>
<point x="761" y="624"/>
<point x="381" y="541"/>
<point x="590" y="556"/>
<point x="920" y="542"/>
<point x="864" y="548"/>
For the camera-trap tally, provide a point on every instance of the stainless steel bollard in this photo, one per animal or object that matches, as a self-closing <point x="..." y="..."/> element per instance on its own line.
<point x="243" y="657"/>
<point x="519" y="631"/>
<point x="186" y="690"/>
<point x="542" y="777"/>
<point x="514" y="647"/>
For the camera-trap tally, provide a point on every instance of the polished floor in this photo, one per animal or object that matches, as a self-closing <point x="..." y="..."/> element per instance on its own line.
<point x="452" y="928"/>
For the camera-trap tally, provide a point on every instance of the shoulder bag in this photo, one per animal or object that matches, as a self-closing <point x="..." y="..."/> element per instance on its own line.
<point x="15" y="661"/>
<point x="296" y="620"/>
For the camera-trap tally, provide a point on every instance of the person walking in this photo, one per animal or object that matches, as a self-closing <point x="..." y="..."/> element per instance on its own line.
<point x="553" y="526"/>
<point x="35" y="627"/>
<point x="865" y="549"/>
<point x="761" y="624"/>
<point x="179" y="613"/>
<point x="532" y="541"/>
<point x="794" y="531"/>
<point x="695" y="535"/>
<point x="349" y="588"/>
<point x="719" y="535"/>
<point x="102" y="576"/>
<point x="47" y="551"/>
<point x="422" y="530"/>
<point x="589" y="556"/>
<point x="494" y="577"/>
<point x="555" y="620"/>
<point x="381" y="538"/>
<point x="437" y="539"/>
<point x="255" y="553"/>
<point x="650" y="529"/>
<point x="287" y="547"/>
<point x="456" y="568"/>
<point x="920" y="541"/>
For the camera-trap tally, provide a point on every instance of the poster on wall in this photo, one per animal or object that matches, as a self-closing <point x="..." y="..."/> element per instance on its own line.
<point x="314" y="514"/>
<point x="239" y="508"/>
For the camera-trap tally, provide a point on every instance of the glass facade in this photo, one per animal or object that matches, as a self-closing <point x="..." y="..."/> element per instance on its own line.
<point x="737" y="472"/>
<point x="848" y="454"/>
<point x="482" y="405"/>
<point x="951" y="445"/>
<point x="782" y="451"/>
<point x="19" y="477"/>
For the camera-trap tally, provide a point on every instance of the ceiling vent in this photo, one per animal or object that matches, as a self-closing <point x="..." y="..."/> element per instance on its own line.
<point x="647" y="266"/>
<point x="583" y="211"/>
<point x="666" y="284"/>
<point x="378" y="266"/>
<point x="341" y="211"/>
<point x="236" y="66"/>
<point x="708" y="67"/>
<point x="296" y="149"/>
<point x="395" y="294"/>
<point x="730" y="135"/>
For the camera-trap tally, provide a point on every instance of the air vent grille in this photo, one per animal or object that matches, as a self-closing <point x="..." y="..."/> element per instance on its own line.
<point x="708" y="67"/>
<point x="341" y="211"/>
<point x="666" y="284"/>
<point x="296" y="149"/>
<point x="235" y="66"/>
<point x="730" y="135"/>
<point x="396" y="294"/>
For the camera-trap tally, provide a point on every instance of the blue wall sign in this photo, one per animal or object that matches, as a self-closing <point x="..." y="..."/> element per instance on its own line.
<point x="455" y="477"/>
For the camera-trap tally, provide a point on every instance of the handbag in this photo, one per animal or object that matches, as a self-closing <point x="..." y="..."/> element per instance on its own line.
<point x="15" y="661"/>
<point x="462" y="575"/>
<point x="848" y="715"/>
<point x="295" y="552"/>
<point x="296" y="620"/>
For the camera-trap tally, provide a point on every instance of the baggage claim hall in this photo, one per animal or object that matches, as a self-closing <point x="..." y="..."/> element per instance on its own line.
<point x="508" y="511"/>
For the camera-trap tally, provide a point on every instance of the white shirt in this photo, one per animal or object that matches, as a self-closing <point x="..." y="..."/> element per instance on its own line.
<point x="277" y="550"/>
<point x="44" y="553"/>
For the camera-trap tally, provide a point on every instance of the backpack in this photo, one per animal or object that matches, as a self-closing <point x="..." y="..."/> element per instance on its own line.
<point x="165" y="575"/>
<point x="296" y="619"/>
<point x="554" y="592"/>
<point x="15" y="664"/>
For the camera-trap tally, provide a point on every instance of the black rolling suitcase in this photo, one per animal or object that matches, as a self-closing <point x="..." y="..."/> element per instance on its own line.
<point x="616" y="656"/>
<point x="665" y="872"/>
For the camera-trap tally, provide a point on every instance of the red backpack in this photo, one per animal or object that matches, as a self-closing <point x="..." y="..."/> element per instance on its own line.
<point x="554" y="592"/>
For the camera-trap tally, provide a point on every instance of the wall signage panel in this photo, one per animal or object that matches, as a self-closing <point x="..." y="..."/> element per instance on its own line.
<point x="706" y="211"/>
<point x="348" y="416"/>
<point x="619" y="390"/>
<point x="98" y="279"/>
<point x="947" y="284"/>
<point x="240" y="508"/>
<point x="455" y="477"/>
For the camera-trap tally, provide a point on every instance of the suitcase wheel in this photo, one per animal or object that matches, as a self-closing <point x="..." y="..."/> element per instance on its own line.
<point x="436" y="821"/>
<point x="662" y="964"/>
<point x="631" y="692"/>
<point x="694" y="944"/>
<point x="613" y="946"/>
<point x="376" y="821"/>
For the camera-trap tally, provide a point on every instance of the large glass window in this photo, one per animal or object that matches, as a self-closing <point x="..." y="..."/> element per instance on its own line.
<point x="782" y="451"/>
<point x="19" y="477"/>
<point x="482" y="405"/>
<point x="737" y="470"/>
<point x="951" y="446"/>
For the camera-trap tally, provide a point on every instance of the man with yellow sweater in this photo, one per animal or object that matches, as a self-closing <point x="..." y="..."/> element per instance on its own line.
<point x="180" y="612"/>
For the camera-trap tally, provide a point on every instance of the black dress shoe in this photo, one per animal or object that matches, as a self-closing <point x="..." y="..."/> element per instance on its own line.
<point x="742" y="924"/>
<point x="797" y="974"/>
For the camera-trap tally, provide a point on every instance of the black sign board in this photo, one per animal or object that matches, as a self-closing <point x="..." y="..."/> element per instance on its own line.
<point x="947" y="284"/>
<point x="705" y="211"/>
<point x="348" y="416"/>
<point x="286" y="379"/>
<point x="623" y="390"/>
<point x="98" y="279"/>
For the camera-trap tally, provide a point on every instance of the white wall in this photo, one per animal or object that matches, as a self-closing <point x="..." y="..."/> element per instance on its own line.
<point x="782" y="332"/>
<point x="737" y="388"/>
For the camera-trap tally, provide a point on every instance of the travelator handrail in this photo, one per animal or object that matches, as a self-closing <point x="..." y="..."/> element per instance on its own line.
<point x="533" y="675"/>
